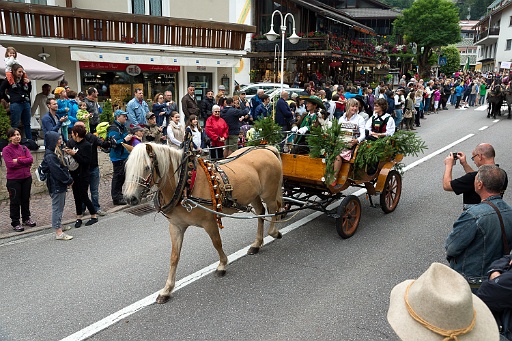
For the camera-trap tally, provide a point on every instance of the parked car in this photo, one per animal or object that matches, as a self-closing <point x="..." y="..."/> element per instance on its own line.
<point x="276" y="93"/>
<point x="251" y="89"/>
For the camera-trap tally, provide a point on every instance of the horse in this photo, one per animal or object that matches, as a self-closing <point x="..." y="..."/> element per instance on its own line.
<point x="253" y="173"/>
<point x="508" y="98"/>
<point x="495" y="100"/>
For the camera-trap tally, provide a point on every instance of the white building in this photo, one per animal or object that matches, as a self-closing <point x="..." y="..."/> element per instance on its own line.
<point x="494" y="36"/>
<point x="156" y="45"/>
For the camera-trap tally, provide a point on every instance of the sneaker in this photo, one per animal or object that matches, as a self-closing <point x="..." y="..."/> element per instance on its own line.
<point x="119" y="202"/>
<point x="63" y="236"/>
<point x="91" y="221"/>
<point x="29" y="222"/>
<point x="18" y="228"/>
<point x="100" y="213"/>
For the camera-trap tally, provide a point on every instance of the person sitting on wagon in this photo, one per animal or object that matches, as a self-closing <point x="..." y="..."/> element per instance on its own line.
<point x="307" y="120"/>
<point x="381" y="124"/>
<point x="353" y="124"/>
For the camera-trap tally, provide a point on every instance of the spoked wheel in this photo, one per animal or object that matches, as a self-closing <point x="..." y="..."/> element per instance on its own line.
<point x="350" y="214"/>
<point x="390" y="195"/>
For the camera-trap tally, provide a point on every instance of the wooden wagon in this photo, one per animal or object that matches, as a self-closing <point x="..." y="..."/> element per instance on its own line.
<point x="304" y="186"/>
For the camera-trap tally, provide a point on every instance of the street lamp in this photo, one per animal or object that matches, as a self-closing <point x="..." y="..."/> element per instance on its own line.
<point x="272" y="35"/>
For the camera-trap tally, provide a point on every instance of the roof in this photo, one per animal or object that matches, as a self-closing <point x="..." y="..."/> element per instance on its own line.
<point x="504" y="4"/>
<point x="365" y="13"/>
<point x="331" y="13"/>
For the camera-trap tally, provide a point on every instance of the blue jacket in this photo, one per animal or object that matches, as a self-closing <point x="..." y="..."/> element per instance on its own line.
<point x="118" y="132"/>
<point x="458" y="91"/>
<point x="49" y="124"/>
<point x="255" y="102"/>
<point x="261" y="111"/>
<point x="475" y="241"/>
<point x="283" y="113"/>
<point x="58" y="175"/>
<point x="63" y="104"/>
<point x="137" y="112"/>
<point x="73" y="109"/>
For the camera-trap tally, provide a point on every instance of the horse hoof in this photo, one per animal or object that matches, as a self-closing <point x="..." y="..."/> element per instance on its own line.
<point x="161" y="299"/>
<point x="253" y="250"/>
<point x="220" y="273"/>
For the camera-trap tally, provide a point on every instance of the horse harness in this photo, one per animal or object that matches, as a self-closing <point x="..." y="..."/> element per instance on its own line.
<point x="220" y="188"/>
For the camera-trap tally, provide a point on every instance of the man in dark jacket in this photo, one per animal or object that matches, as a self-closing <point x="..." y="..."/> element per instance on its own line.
<point x="496" y="293"/>
<point x="283" y="113"/>
<point x="233" y="117"/>
<point x="118" y="132"/>
<point x="206" y="105"/>
<point x="58" y="180"/>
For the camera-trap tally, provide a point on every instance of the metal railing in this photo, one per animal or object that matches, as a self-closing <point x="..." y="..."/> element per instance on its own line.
<point x="40" y="21"/>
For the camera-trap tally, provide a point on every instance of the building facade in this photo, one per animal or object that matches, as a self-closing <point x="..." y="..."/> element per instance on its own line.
<point x="494" y="37"/>
<point x="155" y="45"/>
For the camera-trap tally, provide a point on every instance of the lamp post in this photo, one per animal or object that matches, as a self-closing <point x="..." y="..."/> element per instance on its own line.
<point x="272" y="35"/>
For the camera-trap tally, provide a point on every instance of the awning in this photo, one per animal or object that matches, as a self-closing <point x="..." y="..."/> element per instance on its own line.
<point x="334" y="16"/>
<point x="150" y="58"/>
<point x="33" y="68"/>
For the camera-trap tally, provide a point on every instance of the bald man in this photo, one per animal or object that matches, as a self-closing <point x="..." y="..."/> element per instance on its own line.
<point x="284" y="114"/>
<point x="483" y="154"/>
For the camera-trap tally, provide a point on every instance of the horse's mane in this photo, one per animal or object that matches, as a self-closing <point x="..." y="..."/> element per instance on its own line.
<point x="168" y="161"/>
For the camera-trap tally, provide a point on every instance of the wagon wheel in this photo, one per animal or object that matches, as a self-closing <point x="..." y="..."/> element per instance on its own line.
<point x="350" y="214"/>
<point x="390" y="195"/>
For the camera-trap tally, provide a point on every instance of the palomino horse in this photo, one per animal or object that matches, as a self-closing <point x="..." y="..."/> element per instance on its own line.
<point x="254" y="173"/>
<point x="508" y="98"/>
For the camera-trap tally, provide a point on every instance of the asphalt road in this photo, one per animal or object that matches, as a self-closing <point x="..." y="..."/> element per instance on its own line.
<point x="310" y="285"/>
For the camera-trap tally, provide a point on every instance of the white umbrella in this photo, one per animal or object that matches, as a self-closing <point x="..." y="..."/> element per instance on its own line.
<point x="33" y="68"/>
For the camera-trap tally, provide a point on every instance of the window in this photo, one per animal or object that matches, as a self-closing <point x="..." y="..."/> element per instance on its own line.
<point x="148" y="7"/>
<point x="510" y="23"/>
<point x="509" y="44"/>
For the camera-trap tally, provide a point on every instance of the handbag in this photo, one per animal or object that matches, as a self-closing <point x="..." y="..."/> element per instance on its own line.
<point x="408" y="113"/>
<point x="70" y="162"/>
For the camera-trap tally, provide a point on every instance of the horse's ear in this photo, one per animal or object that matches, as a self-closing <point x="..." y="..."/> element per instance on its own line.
<point x="149" y="149"/>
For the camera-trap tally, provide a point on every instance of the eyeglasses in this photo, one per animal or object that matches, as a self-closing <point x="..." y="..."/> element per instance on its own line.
<point x="216" y="111"/>
<point x="473" y="157"/>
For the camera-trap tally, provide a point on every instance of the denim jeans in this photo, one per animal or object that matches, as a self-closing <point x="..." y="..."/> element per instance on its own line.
<point x="21" y="111"/>
<point x="427" y="104"/>
<point x="94" y="185"/>
<point x="482" y="100"/>
<point x="398" y="117"/>
<point x="58" y="202"/>
<point x="472" y="100"/>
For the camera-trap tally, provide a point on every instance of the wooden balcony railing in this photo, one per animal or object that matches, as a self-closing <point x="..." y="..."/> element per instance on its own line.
<point x="495" y="31"/>
<point x="40" y="21"/>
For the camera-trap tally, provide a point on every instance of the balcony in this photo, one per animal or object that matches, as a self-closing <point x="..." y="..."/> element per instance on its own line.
<point x="39" y="21"/>
<point x="486" y="37"/>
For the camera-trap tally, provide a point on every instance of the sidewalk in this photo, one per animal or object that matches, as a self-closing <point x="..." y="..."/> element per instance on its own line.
<point x="41" y="208"/>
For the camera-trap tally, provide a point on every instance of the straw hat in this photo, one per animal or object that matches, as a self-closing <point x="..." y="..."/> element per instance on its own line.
<point x="314" y="99"/>
<point x="442" y="300"/>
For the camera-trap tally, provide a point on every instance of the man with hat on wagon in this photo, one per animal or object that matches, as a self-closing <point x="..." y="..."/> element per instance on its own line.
<point x="308" y="120"/>
<point x="118" y="133"/>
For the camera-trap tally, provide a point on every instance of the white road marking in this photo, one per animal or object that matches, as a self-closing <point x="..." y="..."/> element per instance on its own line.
<point x="482" y="108"/>
<point x="133" y="308"/>
<point x="483" y="128"/>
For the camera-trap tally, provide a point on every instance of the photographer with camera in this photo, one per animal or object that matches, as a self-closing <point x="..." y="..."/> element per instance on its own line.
<point x="18" y="97"/>
<point x="483" y="154"/>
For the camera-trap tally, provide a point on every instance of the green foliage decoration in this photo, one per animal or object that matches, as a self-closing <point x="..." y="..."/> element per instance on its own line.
<point x="401" y="142"/>
<point x="5" y="123"/>
<point x="107" y="114"/>
<point x="266" y="132"/>
<point x="326" y="143"/>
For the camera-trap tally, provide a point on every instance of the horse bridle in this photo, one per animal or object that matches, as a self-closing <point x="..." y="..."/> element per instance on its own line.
<point x="145" y="183"/>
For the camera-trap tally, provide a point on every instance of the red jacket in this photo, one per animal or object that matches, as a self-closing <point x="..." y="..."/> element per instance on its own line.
<point x="216" y="128"/>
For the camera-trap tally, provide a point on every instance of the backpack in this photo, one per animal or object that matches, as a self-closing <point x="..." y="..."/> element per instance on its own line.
<point x="101" y="129"/>
<point x="30" y="144"/>
<point x="41" y="172"/>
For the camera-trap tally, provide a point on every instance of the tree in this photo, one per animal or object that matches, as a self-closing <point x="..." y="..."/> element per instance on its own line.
<point x="452" y="55"/>
<point x="429" y="24"/>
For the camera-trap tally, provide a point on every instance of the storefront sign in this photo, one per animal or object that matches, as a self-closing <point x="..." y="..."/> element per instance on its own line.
<point x="133" y="70"/>
<point x="313" y="54"/>
<point x="124" y="67"/>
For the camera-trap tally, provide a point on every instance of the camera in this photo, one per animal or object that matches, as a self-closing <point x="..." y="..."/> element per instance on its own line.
<point x="455" y="155"/>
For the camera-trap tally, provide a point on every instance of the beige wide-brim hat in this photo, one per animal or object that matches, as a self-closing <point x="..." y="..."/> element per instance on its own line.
<point x="442" y="298"/>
